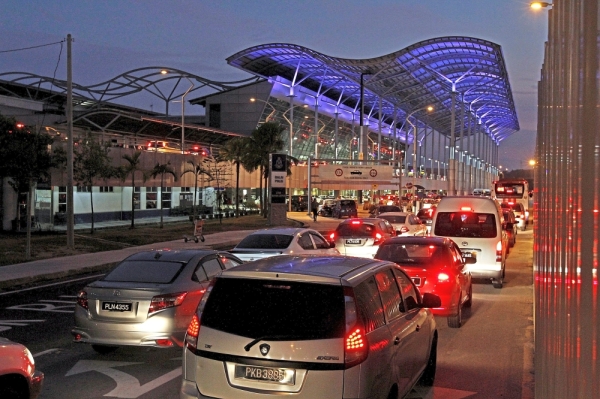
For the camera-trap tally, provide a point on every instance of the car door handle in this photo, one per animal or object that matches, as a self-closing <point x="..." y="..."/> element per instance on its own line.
<point x="396" y="340"/>
<point x="418" y="328"/>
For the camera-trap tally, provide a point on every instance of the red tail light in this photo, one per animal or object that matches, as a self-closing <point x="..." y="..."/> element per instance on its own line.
<point x="332" y="237"/>
<point x="378" y="239"/>
<point x="499" y="251"/>
<point x="82" y="299"/>
<point x="162" y="302"/>
<point x="356" y="348"/>
<point x="443" y="278"/>
<point x="193" y="331"/>
<point x="404" y="229"/>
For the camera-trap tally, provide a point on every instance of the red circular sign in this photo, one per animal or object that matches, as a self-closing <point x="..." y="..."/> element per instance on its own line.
<point x="338" y="172"/>
<point x="373" y="172"/>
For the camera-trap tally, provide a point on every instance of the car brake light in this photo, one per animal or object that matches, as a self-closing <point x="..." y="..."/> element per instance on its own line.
<point x="356" y="349"/>
<point x="332" y="236"/>
<point x="162" y="302"/>
<point x="466" y="208"/>
<point x="356" y="222"/>
<point x="443" y="278"/>
<point x="404" y="229"/>
<point x="499" y="251"/>
<point x="378" y="238"/>
<point x="193" y="331"/>
<point x="82" y="299"/>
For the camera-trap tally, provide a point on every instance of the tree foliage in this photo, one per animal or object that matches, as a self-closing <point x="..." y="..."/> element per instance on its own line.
<point x="161" y="169"/>
<point x="234" y="151"/>
<point x="130" y="168"/>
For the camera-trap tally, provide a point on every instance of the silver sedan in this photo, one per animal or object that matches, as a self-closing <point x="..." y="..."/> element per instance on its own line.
<point x="148" y="299"/>
<point x="283" y="241"/>
<point x="405" y="223"/>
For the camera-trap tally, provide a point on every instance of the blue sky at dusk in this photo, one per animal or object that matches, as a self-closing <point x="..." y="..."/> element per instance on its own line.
<point x="113" y="37"/>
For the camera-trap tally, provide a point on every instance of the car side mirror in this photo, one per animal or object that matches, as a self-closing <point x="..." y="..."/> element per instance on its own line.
<point x="431" y="301"/>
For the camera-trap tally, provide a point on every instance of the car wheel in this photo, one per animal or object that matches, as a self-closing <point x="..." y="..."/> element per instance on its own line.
<point x="469" y="301"/>
<point x="14" y="386"/>
<point x="104" y="349"/>
<point x="428" y="376"/>
<point x="498" y="282"/>
<point x="393" y="393"/>
<point x="455" y="321"/>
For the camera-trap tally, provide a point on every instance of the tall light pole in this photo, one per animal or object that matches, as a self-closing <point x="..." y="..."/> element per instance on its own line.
<point x="363" y="142"/>
<point x="429" y="108"/>
<point x="270" y="116"/>
<point x="183" y="115"/>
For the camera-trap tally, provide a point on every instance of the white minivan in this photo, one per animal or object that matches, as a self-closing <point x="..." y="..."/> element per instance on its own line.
<point x="475" y="225"/>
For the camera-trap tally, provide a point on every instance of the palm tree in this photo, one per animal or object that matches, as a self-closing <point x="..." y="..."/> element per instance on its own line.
<point x="265" y="139"/>
<point x="132" y="166"/>
<point x="161" y="169"/>
<point x="234" y="151"/>
<point x="197" y="170"/>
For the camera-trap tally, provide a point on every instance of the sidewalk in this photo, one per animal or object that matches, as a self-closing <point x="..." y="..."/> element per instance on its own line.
<point x="48" y="269"/>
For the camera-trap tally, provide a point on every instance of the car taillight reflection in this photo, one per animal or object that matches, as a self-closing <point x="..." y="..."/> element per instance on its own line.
<point x="499" y="251"/>
<point x="82" y="299"/>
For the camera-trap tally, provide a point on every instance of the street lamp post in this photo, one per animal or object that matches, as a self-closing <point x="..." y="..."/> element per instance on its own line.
<point x="363" y="142"/>
<point x="270" y="116"/>
<point x="429" y="108"/>
<point x="183" y="115"/>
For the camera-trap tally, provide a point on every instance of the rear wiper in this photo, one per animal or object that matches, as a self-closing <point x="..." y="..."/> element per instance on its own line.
<point x="273" y="337"/>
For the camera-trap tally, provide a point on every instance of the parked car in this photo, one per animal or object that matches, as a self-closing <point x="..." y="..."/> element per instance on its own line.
<point x="299" y="203"/>
<point x="378" y="209"/>
<point x="18" y="377"/>
<point x="405" y="223"/>
<point x="326" y="207"/>
<point x="361" y="236"/>
<point x="283" y="241"/>
<point x="344" y="207"/>
<point x="163" y="146"/>
<point x="510" y="226"/>
<point x="425" y="215"/>
<point x="435" y="265"/>
<point x="311" y="327"/>
<point x="148" y="299"/>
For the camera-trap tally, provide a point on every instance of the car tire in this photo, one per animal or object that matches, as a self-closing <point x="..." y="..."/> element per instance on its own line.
<point x="393" y="393"/>
<point x="14" y="386"/>
<point x="104" y="349"/>
<point x="455" y="321"/>
<point x="428" y="377"/>
<point x="498" y="282"/>
<point x="469" y="301"/>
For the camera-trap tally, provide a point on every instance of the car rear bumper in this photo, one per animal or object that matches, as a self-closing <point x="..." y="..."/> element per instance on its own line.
<point x="35" y="384"/>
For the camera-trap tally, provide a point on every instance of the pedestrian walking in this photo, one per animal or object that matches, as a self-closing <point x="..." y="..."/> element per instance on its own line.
<point x="315" y="208"/>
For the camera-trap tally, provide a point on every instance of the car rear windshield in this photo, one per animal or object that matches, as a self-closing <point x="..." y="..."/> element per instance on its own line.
<point x="465" y="224"/>
<point x="389" y="208"/>
<point x="265" y="241"/>
<point x="424" y="255"/>
<point x="277" y="310"/>
<point x="393" y="219"/>
<point x="356" y="230"/>
<point x="346" y="203"/>
<point x="136" y="271"/>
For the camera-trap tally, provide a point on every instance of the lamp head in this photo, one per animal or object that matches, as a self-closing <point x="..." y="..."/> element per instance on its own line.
<point x="538" y="5"/>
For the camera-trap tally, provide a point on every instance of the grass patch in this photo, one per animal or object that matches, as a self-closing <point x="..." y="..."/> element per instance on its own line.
<point x="46" y="245"/>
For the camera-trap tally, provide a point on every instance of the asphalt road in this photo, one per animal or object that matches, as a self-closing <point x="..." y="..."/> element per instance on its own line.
<point x="490" y="356"/>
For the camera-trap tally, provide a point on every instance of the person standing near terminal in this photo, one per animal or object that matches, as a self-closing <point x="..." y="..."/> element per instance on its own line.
<point x="315" y="208"/>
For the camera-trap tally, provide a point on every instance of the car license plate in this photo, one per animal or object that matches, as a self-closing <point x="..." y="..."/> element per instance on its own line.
<point x="467" y="254"/>
<point x="116" y="306"/>
<point x="353" y="241"/>
<point x="267" y="374"/>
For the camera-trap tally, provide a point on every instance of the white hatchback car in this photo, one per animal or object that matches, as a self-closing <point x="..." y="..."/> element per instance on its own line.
<point x="311" y="327"/>
<point x="405" y="223"/>
<point x="283" y="241"/>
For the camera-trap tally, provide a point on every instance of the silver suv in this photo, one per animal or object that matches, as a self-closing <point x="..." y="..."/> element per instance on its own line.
<point x="311" y="326"/>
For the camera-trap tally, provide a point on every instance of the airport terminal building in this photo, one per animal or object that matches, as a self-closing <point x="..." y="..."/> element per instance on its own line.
<point x="431" y="115"/>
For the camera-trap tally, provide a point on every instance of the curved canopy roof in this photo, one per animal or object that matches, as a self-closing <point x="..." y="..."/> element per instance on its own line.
<point x="408" y="80"/>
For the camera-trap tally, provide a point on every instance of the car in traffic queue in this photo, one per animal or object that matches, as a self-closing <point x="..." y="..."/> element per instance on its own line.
<point x="326" y="208"/>
<point x="378" y="209"/>
<point x="19" y="378"/>
<point x="405" y="223"/>
<point x="425" y="215"/>
<point x="436" y="266"/>
<point x="148" y="299"/>
<point x="361" y="236"/>
<point x="510" y="226"/>
<point x="521" y="216"/>
<point x="276" y="241"/>
<point x="311" y="327"/>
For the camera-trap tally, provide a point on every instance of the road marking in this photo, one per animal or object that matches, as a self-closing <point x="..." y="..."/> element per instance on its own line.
<point x="46" y="352"/>
<point x="127" y="385"/>
<point x="6" y="325"/>
<point x="46" y="307"/>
